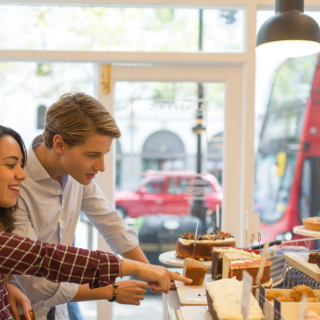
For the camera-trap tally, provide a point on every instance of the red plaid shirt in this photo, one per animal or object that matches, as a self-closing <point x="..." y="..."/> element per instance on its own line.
<point x="57" y="263"/>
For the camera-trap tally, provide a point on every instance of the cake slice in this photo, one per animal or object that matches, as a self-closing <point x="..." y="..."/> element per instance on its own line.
<point x="194" y="270"/>
<point x="217" y="262"/>
<point x="313" y="257"/>
<point x="234" y="264"/>
<point x="224" y="300"/>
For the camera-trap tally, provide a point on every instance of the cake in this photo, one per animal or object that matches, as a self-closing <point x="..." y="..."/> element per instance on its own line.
<point x="204" y="244"/>
<point x="233" y="265"/>
<point x="313" y="257"/>
<point x="229" y="263"/>
<point x="216" y="254"/>
<point x="224" y="300"/>
<point x="318" y="260"/>
<point x="194" y="270"/>
<point x="312" y="223"/>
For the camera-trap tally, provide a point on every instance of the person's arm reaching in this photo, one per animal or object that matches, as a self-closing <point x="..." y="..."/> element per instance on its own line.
<point x="121" y="238"/>
<point x="57" y="263"/>
<point x="136" y="254"/>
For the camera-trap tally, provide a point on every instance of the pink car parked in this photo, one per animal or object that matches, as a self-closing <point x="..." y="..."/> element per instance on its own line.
<point x="168" y="193"/>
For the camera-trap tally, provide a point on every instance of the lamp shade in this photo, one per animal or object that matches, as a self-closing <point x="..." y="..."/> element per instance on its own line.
<point x="289" y="31"/>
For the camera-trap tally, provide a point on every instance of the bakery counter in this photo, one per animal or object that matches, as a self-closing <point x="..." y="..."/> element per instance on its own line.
<point x="171" y="302"/>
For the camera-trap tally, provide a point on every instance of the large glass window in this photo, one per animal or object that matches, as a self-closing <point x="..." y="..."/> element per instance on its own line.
<point x="120" y="29"/>
<point x="285" y="128"/>
<point x="28" y="88"/>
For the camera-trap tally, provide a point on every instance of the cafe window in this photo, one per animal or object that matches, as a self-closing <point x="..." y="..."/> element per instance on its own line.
<point x="120" y="29"/>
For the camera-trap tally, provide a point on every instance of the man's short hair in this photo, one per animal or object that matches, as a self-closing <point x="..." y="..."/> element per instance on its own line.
<point x="76" y="117"/>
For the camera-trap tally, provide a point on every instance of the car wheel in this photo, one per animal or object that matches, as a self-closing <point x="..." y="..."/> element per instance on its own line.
<point x="121" y="212"/>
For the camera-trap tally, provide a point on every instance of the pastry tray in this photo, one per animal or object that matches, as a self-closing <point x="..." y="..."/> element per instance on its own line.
<point x="299" y="260"/>
<point x="305" y="232"/>
<point x="171" y="259"/>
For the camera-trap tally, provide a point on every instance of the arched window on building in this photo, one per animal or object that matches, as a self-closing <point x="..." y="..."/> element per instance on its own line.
<point x="163" y="150"/>
<point x="41" y="114"/>
<point x="215" y="161"/>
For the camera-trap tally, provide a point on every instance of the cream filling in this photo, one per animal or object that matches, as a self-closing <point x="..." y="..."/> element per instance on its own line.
<point x="234" y="250"/>
<point x="226" y="295"/>
<point x="186" y="242"/>
<point x="241" y="261"/>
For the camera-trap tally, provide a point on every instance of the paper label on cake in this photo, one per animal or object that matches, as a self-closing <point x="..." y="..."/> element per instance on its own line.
<point x="198" y="294"/>
<point x="277" y="309"/>
<point x="262" y="297"/>
<point x="263" y="261"/>
<point x="218" y="216"/>
<point x="303" y="303"/>
<point x="246" y="294"/>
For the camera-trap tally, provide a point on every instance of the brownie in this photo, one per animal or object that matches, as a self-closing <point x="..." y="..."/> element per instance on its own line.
<point x="313" y="257"/>
<point x="318" y="260"/>
<point x="216" y="270"/>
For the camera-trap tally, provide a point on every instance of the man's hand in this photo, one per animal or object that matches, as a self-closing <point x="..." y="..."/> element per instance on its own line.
<point x="158" y="278"/>
<point x="131" y="291"/>
<point x="18" y="298"/>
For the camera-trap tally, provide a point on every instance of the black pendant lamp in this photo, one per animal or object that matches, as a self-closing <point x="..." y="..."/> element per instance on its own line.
<point x="289" y="31"/>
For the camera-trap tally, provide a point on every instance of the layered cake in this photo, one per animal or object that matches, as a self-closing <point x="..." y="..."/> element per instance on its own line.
<point x="233" y="264"/>
<point x="224" y="301"/>
<point x="194" y="270"/>
<point x="312" y="223"/>
<point x="217" y="262"/>
<point x="204" y="244"/>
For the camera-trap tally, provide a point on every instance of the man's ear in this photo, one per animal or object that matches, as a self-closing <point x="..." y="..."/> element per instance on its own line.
<point x="59" y="145"/>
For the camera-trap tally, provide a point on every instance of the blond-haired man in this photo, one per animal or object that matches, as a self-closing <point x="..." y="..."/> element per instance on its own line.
<point x="61" y="167"/>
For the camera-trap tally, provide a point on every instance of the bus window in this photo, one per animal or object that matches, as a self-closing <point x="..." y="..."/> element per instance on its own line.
<point x="281" y="163"/>
<point x="305" y="190"/>
<point x="293" y="81"/>
<point x="272" y="191"/>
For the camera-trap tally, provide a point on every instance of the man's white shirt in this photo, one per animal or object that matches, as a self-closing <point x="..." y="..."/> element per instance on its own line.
<point x="49" y="213"/>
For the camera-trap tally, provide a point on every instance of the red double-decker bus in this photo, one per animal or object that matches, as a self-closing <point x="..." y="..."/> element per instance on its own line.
<point x="287" y="169"/>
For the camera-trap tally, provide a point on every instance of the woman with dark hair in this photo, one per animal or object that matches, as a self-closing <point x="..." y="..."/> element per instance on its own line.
<point x="59" y="263"/>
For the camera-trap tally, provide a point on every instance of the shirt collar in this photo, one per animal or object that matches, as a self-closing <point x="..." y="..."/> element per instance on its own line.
<point x="37" y="171"/>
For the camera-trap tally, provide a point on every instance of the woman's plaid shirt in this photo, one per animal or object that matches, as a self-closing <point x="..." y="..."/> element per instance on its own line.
<point x="57" y="263"/>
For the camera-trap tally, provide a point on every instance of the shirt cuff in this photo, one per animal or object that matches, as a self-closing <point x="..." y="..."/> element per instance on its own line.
<point x="109" y="269"/>
<point x="65" y="293"/>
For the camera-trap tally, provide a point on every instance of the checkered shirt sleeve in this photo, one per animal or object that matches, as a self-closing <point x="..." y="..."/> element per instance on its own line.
<point x="57" y="263"/>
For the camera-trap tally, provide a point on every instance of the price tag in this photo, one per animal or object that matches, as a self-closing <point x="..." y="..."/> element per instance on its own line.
<point x="277" y="309"/>
<point x="254" y="225"/>
<point x="262" y="263"/>
<point x="218" y="216"/>
<point x="246" y="294"/>
<point x="262" y="297"/>
<point x="303" y="306"/>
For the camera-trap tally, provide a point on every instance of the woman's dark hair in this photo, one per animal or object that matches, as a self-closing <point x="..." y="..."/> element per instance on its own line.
<point x="6" y="214"/>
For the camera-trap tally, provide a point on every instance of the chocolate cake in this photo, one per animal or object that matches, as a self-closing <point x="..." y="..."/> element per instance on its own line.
<point x="216" y="253"/>
<point x="194" y="270"/>
<point x="318" y="260"/>
<point x="204" y="245"/>
<point x="224" y="300"/>
<point x="313" y="257"/>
